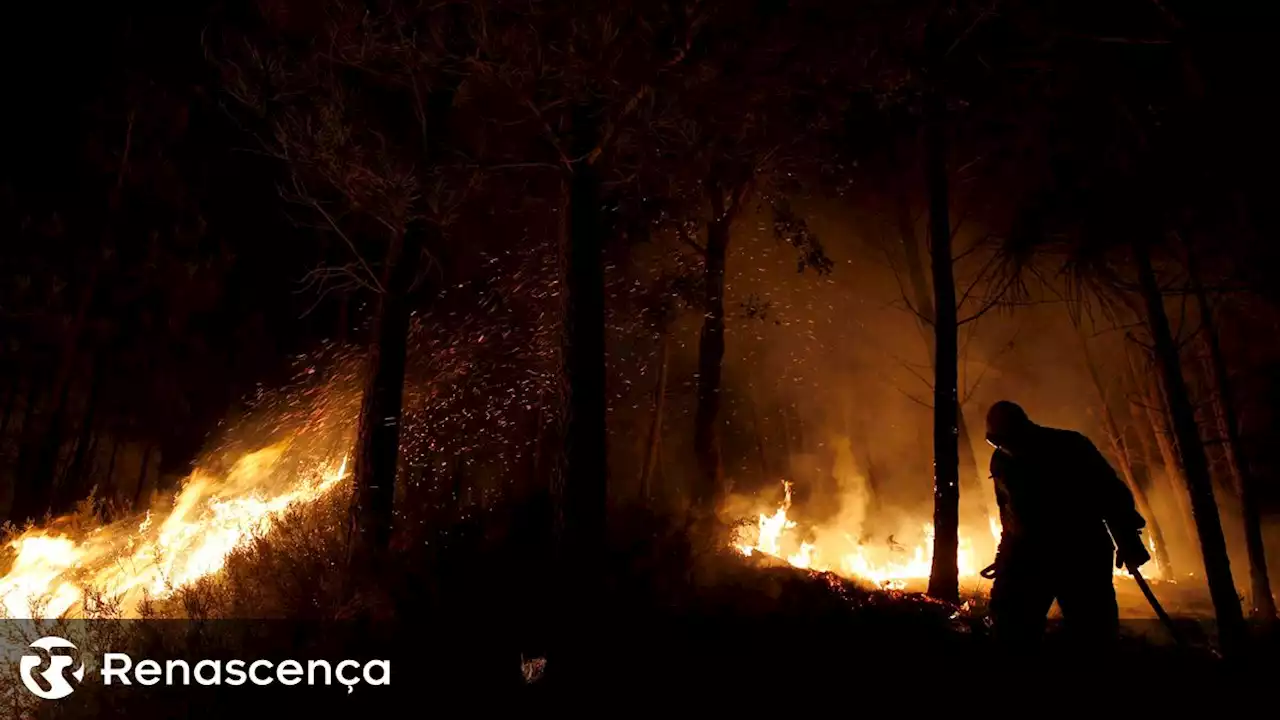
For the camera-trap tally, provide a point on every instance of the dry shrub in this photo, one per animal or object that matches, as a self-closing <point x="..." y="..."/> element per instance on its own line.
<point x="296" y="571"/>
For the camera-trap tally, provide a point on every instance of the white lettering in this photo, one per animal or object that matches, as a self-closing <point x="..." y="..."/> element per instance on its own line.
<point x="289" y="672"/>
<point x="168" y="671"/>
<point x="384" y="678"/>
<point x="311" y="672"/>
<point x="253" y="672"/>
<point x="148" y="672"/>
<point x="235" y="672"/>
<point x="349" y="682"/>
<point x="116" y="669"/>
<point x="109" y="669"/>
<point x="217" y="672"/>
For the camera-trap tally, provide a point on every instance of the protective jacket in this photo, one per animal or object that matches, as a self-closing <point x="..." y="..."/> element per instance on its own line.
<point x="1058" y="495"/>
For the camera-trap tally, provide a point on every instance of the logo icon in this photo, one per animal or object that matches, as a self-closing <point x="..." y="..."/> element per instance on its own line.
<point x="53" y="677"/>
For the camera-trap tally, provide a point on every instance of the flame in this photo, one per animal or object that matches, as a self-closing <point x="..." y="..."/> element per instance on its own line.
<point x="1150" y="571"/>
<point x="890" y="565"/>
<point x="130" y="560"/>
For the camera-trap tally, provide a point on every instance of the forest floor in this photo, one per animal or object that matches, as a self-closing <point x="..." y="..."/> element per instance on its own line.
<point x="760" y="627"/>
<point x="658" y="624"/>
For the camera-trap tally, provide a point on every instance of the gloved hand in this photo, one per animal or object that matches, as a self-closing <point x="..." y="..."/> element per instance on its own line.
<point x="1130" y="552"/>
<point x="990" y="571"/>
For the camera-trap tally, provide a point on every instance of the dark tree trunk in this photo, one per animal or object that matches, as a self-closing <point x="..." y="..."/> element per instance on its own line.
<point x="35" y="493"/>
<point x="788" y="440"/>
<point x="944" y="575"/>
<point x="1121" y="451"/>
<point x="586" y="437"/>
<point x="109" y="478"/>
<point x="757" y="425"/>
<point x="10" y="399"/>
<point x="344" y="316"/>
<point x="922" y="298"/>
<point x="1213" y="545"/>
<point x="538" y="433"/>
<point x="654" y="442"/>
<point x="706" y="436"/>
<point x="139" y="491"/>
<point x="377" y="452"/>
<point x="1137" y="401"/>
<point x="73" y="482"/>
<point x="378" y="437"/>
<point x="1151" y="399"/>
<point x="1263" y="603"/>
<point x="27" y="440"/>
<point x="457" y="487"/>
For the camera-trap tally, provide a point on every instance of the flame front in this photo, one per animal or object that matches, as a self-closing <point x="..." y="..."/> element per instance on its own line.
<point x="890" y="565"/>
<point x="131" y="560"/>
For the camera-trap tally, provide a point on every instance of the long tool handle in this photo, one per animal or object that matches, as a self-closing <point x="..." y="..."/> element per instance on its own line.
<point x="1155" y="604"/>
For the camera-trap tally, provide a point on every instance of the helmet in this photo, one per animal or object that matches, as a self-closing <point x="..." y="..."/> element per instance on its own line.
<point x="1005" y="421"/>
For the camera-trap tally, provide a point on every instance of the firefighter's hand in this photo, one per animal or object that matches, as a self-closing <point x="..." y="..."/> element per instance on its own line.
<point x="1132" y="553"/>
<point x="990" y="571"/>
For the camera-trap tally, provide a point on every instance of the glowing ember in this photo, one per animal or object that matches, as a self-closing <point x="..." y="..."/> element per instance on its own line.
<point x="131" y="560"/>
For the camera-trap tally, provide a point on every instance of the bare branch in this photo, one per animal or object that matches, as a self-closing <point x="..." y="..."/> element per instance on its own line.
<point x="907" y="366"/>
<point x="549" y="134"/>
<point x="990" y="303"/>
<point x="303" y="197"/>
<point x="982" y="273"/>
<point x="1004" y="349"/>
<point x="325" y="280"/>
<point x="682" y="232"/>
<point x="1119" y="40"/>
<point x="913" y="398"/>
<point x="986" y="12"/>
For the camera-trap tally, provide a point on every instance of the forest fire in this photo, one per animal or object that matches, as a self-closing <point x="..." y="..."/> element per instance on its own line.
<point x="891" y="565"/>
<point x="128" y="561"/>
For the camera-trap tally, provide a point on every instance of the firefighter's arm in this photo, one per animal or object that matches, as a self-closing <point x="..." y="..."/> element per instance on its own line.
<point x="1118" y="509"/>
<point x="1003" y="505"/>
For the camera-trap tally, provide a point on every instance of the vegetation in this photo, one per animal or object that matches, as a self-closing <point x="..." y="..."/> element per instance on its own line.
<point x="579" y="284"/>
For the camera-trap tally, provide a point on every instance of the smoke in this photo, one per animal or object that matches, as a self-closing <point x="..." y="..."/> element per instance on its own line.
<point x="827" y="384"/>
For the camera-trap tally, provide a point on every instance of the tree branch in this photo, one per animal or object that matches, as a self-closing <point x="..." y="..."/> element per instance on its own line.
<point x="990" y="302"/>
<point x="682" y="232"/>
<point x="913" y="398"/>
<point x="305" y="198"/>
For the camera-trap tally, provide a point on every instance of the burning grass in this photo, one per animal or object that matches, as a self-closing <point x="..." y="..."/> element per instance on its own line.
<point x="131" y="563"/>
<point x="841" y="548"/>
<point x="261" y="534"/>
<point x="673" y="615"/>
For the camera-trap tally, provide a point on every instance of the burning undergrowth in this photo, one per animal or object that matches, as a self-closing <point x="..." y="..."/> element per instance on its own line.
<point x="891" y="551"/>
<point x="288" y="453"/>
<point x="857" y="546"/>
<point x="477" y="386"/>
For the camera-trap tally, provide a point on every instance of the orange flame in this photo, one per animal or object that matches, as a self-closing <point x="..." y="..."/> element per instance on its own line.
<point x="130" y="560"/>
<point x="887" y="565"/>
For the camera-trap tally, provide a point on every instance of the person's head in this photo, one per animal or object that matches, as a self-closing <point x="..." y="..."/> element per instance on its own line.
<point x="1007" y="424"/>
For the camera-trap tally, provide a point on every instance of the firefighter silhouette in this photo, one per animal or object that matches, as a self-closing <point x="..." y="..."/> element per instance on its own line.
<point x="1065" y="517"/>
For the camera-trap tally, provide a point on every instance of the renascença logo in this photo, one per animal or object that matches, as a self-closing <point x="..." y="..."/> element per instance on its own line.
<point x="53" y="677"/>
<point x="117" y="667"/>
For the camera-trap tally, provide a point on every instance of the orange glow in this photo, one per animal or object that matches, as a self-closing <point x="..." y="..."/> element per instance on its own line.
<point x="888" y="565"/>
<point x="151" y="558"/>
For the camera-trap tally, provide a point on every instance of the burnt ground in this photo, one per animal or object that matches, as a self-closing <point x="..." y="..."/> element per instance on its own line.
<point x="758" y="627"/>
<point x="671" y="631"/>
